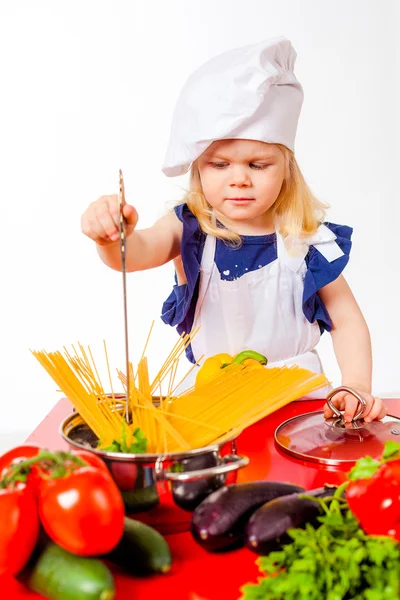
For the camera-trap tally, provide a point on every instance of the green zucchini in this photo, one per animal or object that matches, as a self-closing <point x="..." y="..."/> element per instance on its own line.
<point x="142" y="550"/>
<point x="58" y="575"/>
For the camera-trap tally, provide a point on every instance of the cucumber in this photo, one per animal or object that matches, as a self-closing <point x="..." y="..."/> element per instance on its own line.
<point x="142" y="550"/>
<point x="59" y="575"/>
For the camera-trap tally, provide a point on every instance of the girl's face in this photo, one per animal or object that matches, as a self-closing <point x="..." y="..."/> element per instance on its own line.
<point x="241" y="179"/>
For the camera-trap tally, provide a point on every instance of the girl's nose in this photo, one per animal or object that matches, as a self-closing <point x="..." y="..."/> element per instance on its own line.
<point x="239" y="177"/>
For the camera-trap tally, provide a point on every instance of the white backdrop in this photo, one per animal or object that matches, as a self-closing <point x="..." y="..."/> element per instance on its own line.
<point x="88" y="87"/>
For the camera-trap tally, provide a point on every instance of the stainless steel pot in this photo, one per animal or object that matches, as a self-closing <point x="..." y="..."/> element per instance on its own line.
<point x="162" y="489"/>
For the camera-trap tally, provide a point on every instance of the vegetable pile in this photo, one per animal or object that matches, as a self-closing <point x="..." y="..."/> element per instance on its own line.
<point x="331" y="543"/>
<point x="59" y="513"/>
<point x="350" y="552"/>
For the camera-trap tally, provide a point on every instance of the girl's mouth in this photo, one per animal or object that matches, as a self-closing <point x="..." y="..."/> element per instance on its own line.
<point x="240" y="200"/>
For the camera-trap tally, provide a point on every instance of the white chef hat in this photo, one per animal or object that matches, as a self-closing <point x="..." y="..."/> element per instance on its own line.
<point x="246" y="93"/>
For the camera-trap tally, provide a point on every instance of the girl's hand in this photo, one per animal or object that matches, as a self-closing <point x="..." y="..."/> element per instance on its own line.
<point x="100" y="221"/>
<point x="375" y="408"/>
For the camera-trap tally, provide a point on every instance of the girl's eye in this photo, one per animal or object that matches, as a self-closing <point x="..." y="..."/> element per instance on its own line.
<point x="258" y="166"/>
<point x="219" y="165"/>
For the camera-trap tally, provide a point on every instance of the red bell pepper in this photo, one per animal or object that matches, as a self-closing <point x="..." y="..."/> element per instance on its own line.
<point x="376" y="501"/>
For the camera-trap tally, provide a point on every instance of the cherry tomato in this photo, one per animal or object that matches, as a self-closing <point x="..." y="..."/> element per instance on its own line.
<point x="19" y="527"/>
<point x="83" y="512"/>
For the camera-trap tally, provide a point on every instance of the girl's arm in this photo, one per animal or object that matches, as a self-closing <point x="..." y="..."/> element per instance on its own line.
<point x="352" y="346"/>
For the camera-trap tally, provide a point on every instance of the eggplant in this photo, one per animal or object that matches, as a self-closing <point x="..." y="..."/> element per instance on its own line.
<point x="188" y="495"/>
<point x="219" y="522"/>
<point x="267" y="528"/>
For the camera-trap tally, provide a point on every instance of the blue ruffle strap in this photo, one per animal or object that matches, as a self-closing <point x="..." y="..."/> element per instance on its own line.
<point x="178" y="309"/>
<point x="320" y="272"/>
<point x="175" y="307"/>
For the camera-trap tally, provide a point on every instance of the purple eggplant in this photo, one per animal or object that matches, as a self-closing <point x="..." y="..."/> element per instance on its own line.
<point x="267" y="528"/>
<point x="219" y="522"/>
<point x="188" y="495"/>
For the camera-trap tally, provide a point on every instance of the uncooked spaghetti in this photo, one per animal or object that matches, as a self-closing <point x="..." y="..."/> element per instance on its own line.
<point x="234" y="399"/>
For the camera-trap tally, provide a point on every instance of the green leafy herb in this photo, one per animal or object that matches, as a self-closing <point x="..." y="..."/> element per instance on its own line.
<point x="138" y="446"/>
<point x="391" y="451"/>
<point x="364" y="468"/>
<point x="176" y="468"/>
<point x="335" y="561"/>
<point x="367" y="467"/>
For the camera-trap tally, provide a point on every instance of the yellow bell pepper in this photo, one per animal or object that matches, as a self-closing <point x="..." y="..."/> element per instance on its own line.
<point x="252" y="364"/>
<point x="212" y="366"/>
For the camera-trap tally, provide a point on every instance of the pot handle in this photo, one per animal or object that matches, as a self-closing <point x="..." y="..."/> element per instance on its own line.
<point x="235" y="462"/>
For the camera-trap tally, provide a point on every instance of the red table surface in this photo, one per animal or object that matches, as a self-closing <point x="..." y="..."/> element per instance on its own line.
<point x="197" y="574"/>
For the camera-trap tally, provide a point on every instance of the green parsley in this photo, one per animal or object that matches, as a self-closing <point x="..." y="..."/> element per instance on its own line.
<point x="367" y="467"/>
<point x="138" y="446"/>
<point x="333" y="561"/>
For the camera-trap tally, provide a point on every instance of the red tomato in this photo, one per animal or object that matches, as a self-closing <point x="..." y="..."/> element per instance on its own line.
<point x="16" y="455"/>
<point x="92" y="459"/>
<point x="19" y="527"/>
<point x="83" y="512"/>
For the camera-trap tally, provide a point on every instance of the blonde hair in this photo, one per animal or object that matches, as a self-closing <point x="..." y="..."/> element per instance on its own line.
<point x="297" y="211"/>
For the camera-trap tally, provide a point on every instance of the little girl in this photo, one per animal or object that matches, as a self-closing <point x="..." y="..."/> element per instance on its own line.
<point x="256" y="267"/>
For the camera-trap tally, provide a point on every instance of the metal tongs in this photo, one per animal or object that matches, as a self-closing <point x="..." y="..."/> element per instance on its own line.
<point x="122" y="243"/>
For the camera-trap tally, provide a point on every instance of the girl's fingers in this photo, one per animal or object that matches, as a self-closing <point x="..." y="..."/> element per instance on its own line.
<point x="350" y="407"/>
<point x="328" y="413"/>
<point x="131" y="217"/>
<point x="112" y="208"/>
<point x="91" y="227"/>
<point x="105" y="219"/>
<point x="378" y="411"/>
<point x="375" y="409"/>
<point x="370" y="400"/>
<point x="100" y="221"/>
<point x="98" y="234"/>
<point x="338" y="401"/>
<point x="130" y="214"/>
